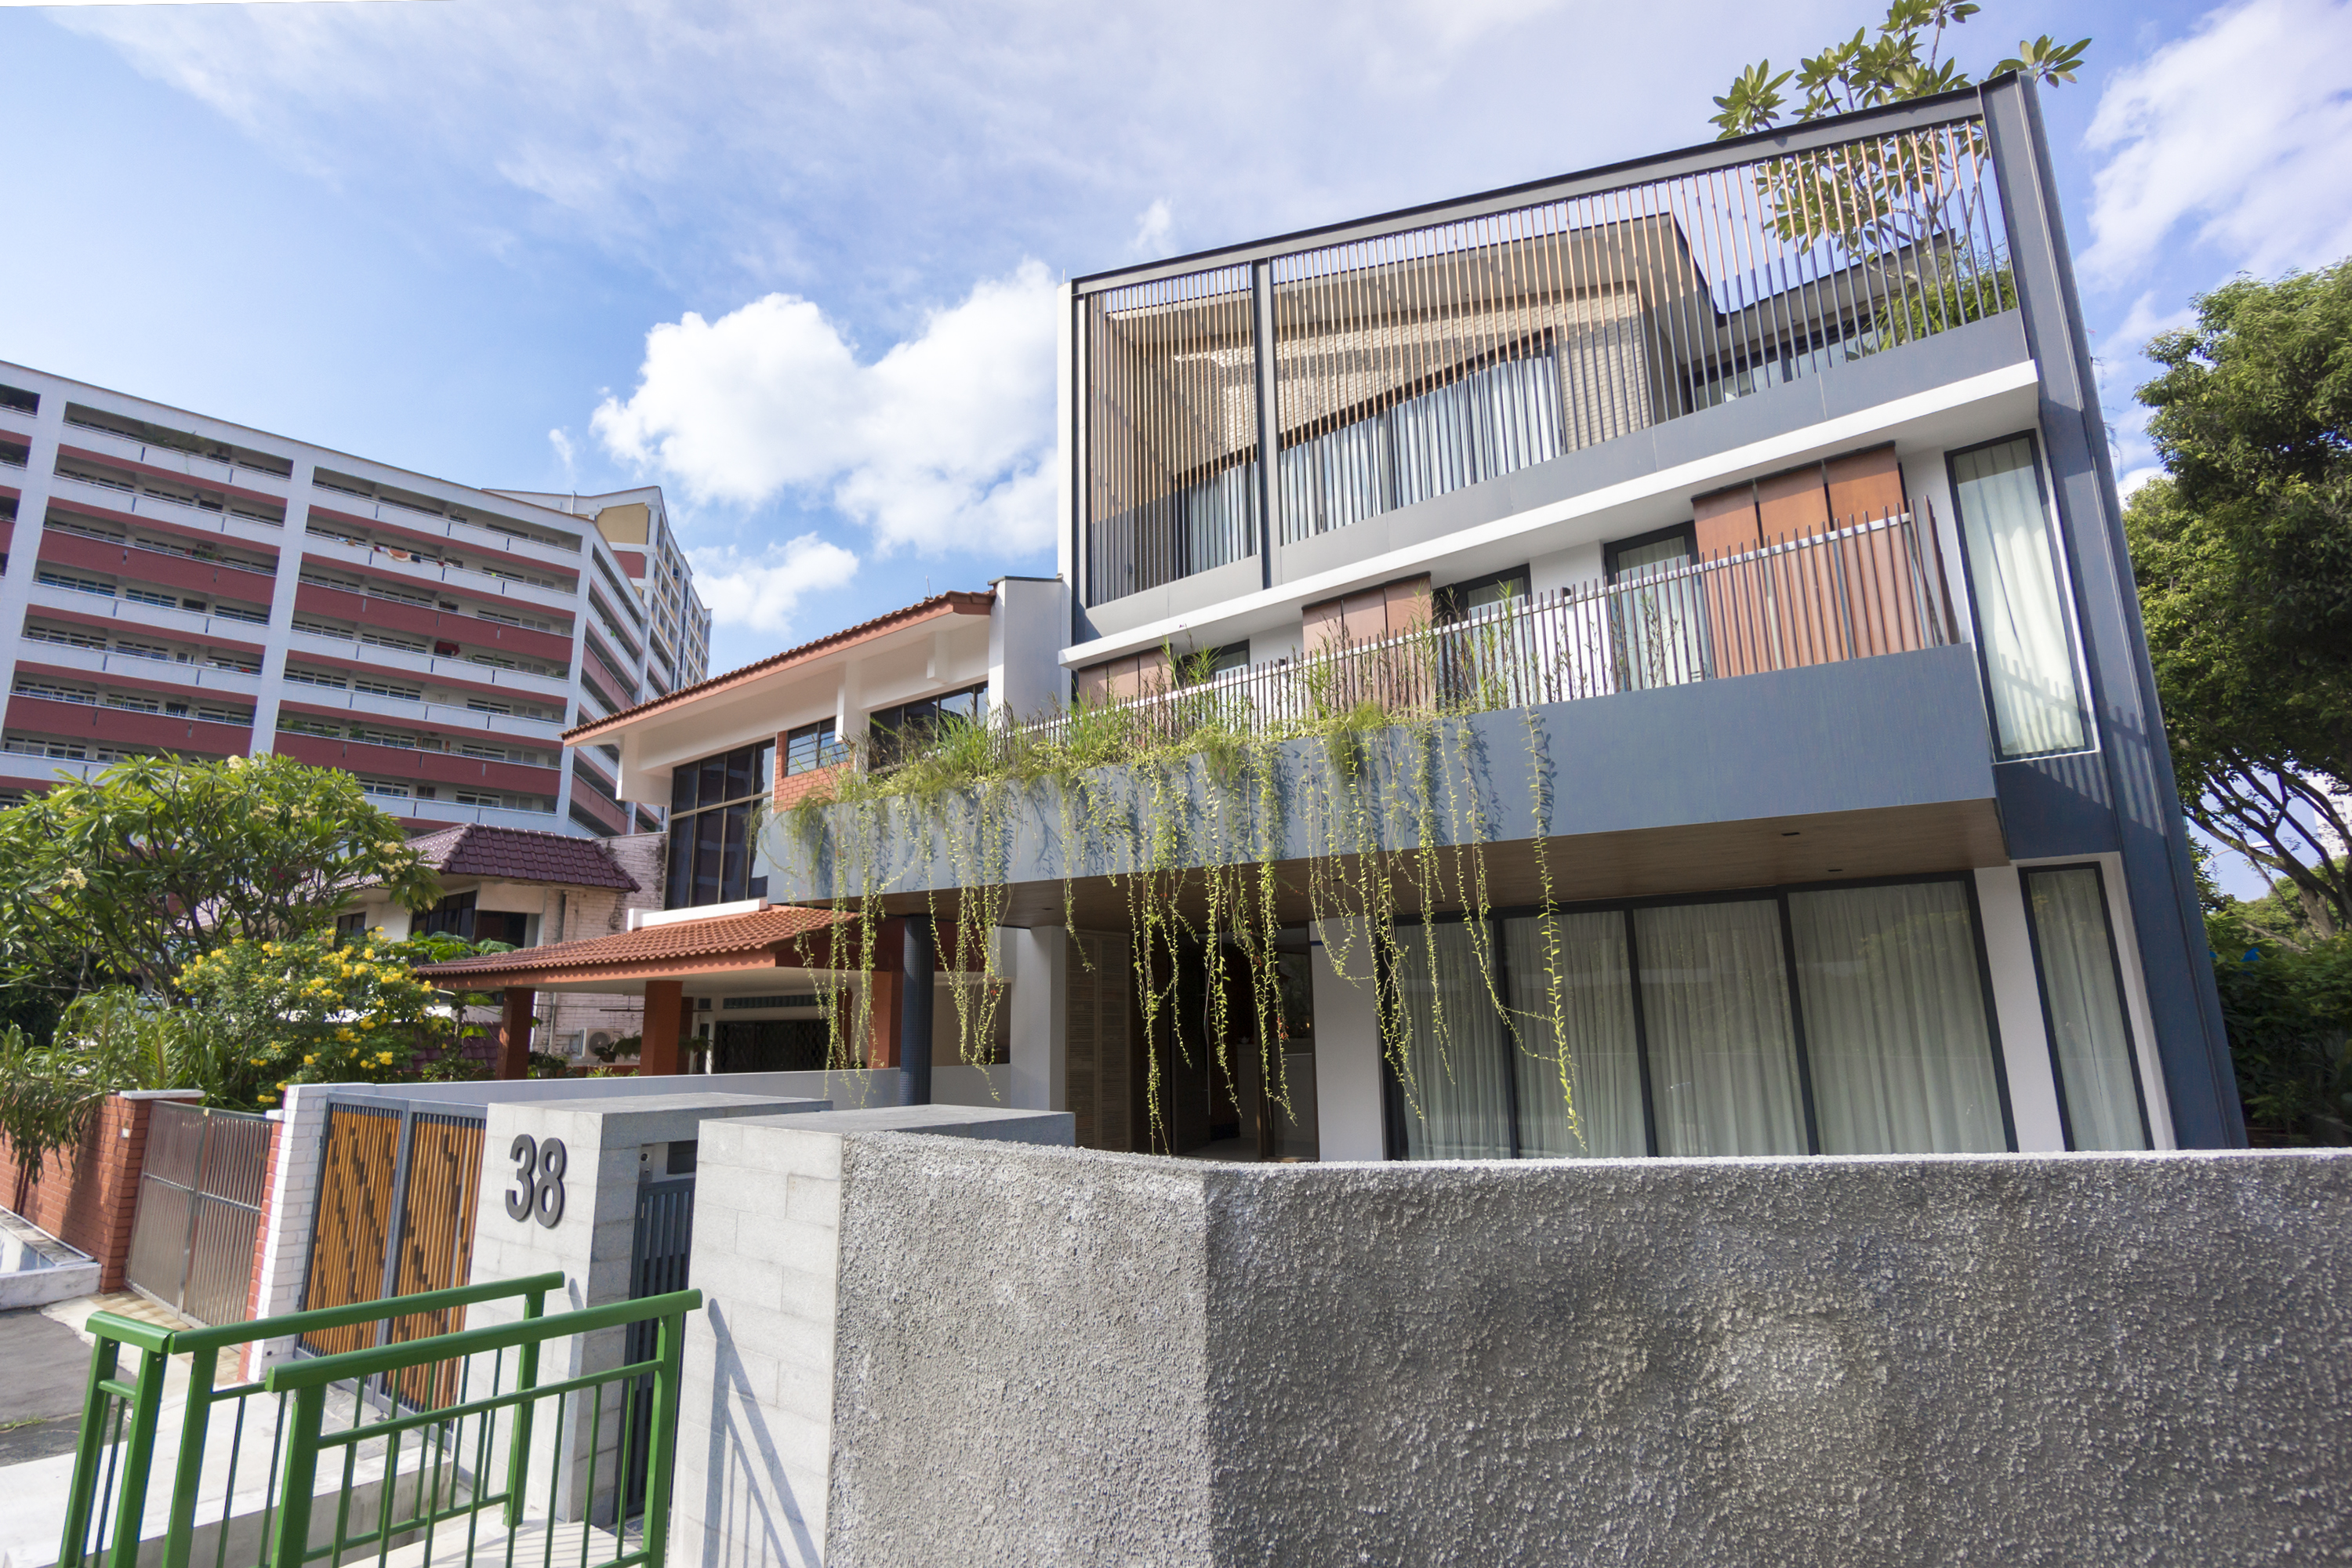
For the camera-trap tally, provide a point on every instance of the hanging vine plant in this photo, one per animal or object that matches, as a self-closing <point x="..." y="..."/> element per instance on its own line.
<point x="1358" y="759"/>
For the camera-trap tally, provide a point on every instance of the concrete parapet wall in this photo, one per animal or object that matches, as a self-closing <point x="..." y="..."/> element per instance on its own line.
<point x="1055" y="1356"/>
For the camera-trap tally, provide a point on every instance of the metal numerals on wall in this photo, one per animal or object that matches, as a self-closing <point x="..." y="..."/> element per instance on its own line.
<point x="539" y="1178"/>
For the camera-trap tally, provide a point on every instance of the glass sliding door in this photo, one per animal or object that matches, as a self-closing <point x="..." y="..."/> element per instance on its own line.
<point x="1896" y="1030"/>
<point x="1660" y="620"/>
<point x="2083" y="1002"/>
<point x="2020" y="611"/>
<point x="1585" y="1101"/>
<point x="1723" y="1048"/>
<point x="1458" y="1088"/>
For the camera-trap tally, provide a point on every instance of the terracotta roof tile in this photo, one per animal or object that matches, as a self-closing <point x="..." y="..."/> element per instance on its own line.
<point x="712" y="938"/>
<point x="959" y="600"/>
<point x="522" y="855"/>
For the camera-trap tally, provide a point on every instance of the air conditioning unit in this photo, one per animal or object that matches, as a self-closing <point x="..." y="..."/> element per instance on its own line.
<point x="602" y="1040"/>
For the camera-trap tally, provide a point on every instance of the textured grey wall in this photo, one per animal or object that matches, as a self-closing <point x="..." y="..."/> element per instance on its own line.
<point x="1063" y="1357"/>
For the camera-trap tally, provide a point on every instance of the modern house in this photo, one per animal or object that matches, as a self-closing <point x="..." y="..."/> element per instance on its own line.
<point x="1710" y="571"/>
<point x="178" y="583"/>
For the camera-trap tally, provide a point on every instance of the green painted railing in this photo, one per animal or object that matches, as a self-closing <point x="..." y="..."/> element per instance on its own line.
<point x="457" y="1409"/>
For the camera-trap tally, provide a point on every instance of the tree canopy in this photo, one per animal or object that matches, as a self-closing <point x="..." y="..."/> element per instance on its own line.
<point x="157" y="861"/>
<point x="2244" y="556"/>
<point x="1905" y="60"/>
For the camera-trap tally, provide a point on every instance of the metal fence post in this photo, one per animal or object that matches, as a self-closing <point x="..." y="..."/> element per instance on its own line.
<point x="665" y="1439"/>
<point x="293" y="1541"/>
<point x="139" y="1455"/>
<point x="534" y="1304"/>
<point x="105" y="1353"/>
<point x="203" y="1365"/>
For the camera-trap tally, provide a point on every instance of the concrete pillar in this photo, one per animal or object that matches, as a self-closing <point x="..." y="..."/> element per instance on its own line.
<point x="1348" y="1089"/>
<point x="659" y="1052"/>
<point x="1041" y="1019"/>
<point x="514" y="1033"/>
<point x="914" y="1010"/>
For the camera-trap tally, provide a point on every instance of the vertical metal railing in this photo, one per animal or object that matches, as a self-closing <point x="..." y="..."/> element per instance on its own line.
<point x="1873" y="587"/>
<point x="1429" y="356"/>
<point x="200" y="1196"/>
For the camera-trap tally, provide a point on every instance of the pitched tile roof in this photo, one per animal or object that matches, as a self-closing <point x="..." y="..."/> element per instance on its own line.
<point x="684" y="940"/>
<point x="522" y="855"/>
<point x="956" y="600"/>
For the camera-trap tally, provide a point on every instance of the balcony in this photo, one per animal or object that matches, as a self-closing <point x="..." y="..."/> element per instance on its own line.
<point x="450" y="811"/>
<point x="224" y="630"/>
<point x="348" y="649"/>
<point x="170" y="451"/>
<point x="124" y="505"/>
<point x="326" y="541"/>
<point x="360" y="505"/>
<point x="452" y="718"/>
<point x="1402" y="360"/>
<point x="1786" y="713"/>
<point x="161" y="673"/>
<point x="432" y="767"/>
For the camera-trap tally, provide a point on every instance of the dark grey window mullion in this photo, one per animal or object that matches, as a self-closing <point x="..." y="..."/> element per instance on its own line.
<point x="1797" y="1026"/>
<point x="1510" y="1037"/>
<point x="1641" y="1035"/>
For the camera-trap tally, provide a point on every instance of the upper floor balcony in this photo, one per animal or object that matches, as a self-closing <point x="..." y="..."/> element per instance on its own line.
<point x="1239" y="411"/>
<point x="536" y="594"/>
<point x="174" y="452"/>
<point x="365" y="500"/>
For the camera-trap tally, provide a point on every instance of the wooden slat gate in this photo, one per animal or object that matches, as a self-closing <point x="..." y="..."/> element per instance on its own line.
<point x="394" y="1216"/>
<point x="200" y="1196"/>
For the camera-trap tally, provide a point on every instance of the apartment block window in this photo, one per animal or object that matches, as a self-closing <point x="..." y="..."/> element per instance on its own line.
<point x="814" y="746"/>
<point x="1842" y="1020"/>
<point x="2020" y="611"/>
<point x="715" y="819"/>
<point x="2099" y="1095"/>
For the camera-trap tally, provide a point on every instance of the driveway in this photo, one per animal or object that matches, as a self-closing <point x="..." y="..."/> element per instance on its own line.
<point x="43" y="1368"/>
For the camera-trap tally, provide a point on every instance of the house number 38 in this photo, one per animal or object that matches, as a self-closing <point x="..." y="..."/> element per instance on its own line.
<point x="538" y="1180"/>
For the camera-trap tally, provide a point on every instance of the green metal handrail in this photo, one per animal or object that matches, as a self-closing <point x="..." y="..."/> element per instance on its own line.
<point x="133" y="1461"/>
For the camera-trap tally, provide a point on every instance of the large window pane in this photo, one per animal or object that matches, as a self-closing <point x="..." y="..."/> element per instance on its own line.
<point x="734" y="865"/>
<point x="1456" y="1090"/>
<point x="1590" y="1105"/>
<point x="2019" y="614"/>
<point x="708" y="828"/>
<point x="1894" y="1021"/>
<point x="2082" y="999"/>
<point x="1723" y="1057"/>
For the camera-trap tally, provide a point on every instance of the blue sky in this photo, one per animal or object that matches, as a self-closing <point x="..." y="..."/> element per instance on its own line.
<point x="791" y="262"/>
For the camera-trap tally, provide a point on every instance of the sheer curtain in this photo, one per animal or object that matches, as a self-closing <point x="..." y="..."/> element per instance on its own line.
<point x="2021" y="614"/>
<point x="2083" y="997"/>
<point x="1723" y="1057"/>
<point x="1894" y="1021"/>
<point x="1457" y="1092"/>
<point x="1603" y="1079"/>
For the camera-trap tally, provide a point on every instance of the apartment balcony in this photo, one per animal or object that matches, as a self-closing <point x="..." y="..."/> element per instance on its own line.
<point x="407" y="563"/>
<point x="127" y="507"/>
<point x="352" y="507"/>
<point x="448" y="718"/>
<point x="149" y="672"/>
<point x="1802" y="710"/>
<point x="185" y="573"/>
<point x="126" y="728"/>
<point x="437" y="768"/>
<point x="176" y="461"/>
<point x="194" y="625"/>
<point x="434" y="627"/>
<point x="349" y="652"/>
<point x="435" y="813"/>
<point x="1252" y="416"/>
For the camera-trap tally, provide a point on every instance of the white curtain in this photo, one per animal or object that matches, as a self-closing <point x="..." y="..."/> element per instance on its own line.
<point x="1894" y="1021"/>
<point x="1660" y="628"/>
<point x="2021" y="614"/>
<point x="2083" y="998"/>
<point x="1723" y="1057"/>
<point x="1591" y="1105"/>
<point x="1456" y="1089"/>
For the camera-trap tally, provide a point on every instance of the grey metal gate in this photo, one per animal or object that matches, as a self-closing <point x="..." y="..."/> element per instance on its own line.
<point x="659" y="1252"/>
<point x="200" y="1192"/>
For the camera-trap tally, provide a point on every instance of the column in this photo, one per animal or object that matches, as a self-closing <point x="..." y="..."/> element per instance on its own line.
<point x="514" y="1033"/>
<point x="659" y="1054"/>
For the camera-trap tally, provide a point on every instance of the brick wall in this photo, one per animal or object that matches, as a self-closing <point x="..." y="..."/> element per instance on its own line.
<point x="793" y="788"/>
<point x="603" y="912"/>
<point x="87" y="1196"/>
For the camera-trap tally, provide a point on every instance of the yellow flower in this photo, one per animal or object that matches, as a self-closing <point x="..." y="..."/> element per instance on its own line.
<point x="307" y="1060"/>
<point x="260" y="1061"/>
<point x="345" y="1035"/>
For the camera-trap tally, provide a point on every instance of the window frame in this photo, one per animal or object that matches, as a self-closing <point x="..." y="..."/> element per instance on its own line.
<point x="2123" y="995"/>
<point x="1393" y="1108"/>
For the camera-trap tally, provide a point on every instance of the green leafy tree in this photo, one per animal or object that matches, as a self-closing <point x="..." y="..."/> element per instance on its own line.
<point x="108" y="1041"/>
<point x="159" y="860"/>
<point x="1905" y="60"/>
<point x="2244" y="556"/>
<point x="308" y="1010"/>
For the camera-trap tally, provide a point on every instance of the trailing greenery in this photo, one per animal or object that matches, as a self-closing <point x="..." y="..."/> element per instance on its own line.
<point x="156" y="861"/>
<point x="107" y="1042"/>
<point x="1347" y="788"/>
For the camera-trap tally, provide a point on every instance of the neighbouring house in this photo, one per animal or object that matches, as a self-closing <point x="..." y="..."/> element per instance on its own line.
<point x="178" y="584"/>
<point x="1738" y="524"/>
<point x="529" y="890"/>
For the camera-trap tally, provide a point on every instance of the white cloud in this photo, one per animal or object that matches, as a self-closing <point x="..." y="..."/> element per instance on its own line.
<point x="761" y="593"/>
<point x="2238" y="131"/>
<point x="1153" y="227"/>
<point x="565" y="452"/>
<point x="943" y="443"/>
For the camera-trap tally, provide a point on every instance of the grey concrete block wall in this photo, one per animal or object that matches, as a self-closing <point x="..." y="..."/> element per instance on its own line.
<point x="1048" y="1356"/>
